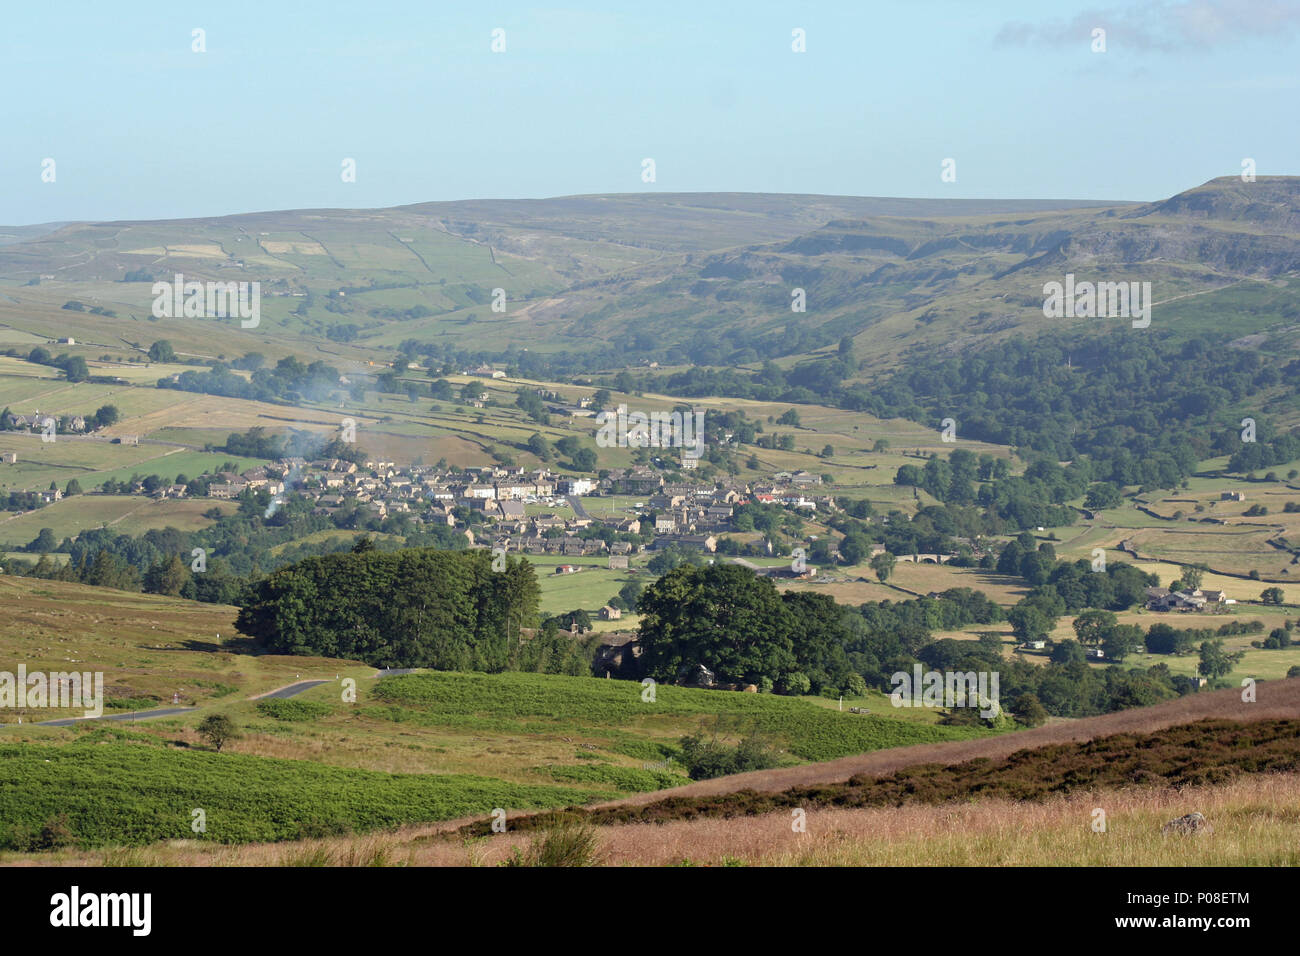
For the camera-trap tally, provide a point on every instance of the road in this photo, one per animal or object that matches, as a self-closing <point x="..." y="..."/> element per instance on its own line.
<point x="131" y="716"/>
<point x="292" y="690"/>
<point x="284" y="692"/>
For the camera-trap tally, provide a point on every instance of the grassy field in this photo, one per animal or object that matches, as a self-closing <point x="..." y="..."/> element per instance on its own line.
<point x="479" y="740"/>
<point x="128" y="791"/>
<point x="126" y="514"/>
<point x="148" y="647"/>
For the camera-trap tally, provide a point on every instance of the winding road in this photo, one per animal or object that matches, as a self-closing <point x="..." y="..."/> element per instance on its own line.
<point x="281" y="694"/>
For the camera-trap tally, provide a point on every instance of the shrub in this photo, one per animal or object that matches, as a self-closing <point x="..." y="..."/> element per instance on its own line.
<point x="706" y="759"/>
<point x="793" y="683"/>
<point x="570" y="843"/>
<point x="295" y="710"/>
<point x="1028" y="710"/>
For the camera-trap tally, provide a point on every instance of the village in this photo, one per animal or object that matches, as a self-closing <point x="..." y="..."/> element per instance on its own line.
<point x="493" y="505"/>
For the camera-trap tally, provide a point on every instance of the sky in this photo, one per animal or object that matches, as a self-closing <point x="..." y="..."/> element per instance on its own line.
<point x="141" y="126"/>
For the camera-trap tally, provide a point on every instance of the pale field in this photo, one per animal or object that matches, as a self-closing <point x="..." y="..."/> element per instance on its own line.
<point x="93" y="461"/>
<point x="911" y="577"/>
<point x="1256" y="821"/>
<point x="126" y="514"/>
<point x="1235" y="550"/>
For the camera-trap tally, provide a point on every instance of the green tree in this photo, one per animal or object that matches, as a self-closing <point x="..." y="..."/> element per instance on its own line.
<point x="1121" y="641"/>
<point x="76" y="369"/>
<point x="1215" y="661"/>
<point x="43" y="543"/>
<point x="1092" y="627"/>
<point x="539" y="446"/>
<point x="218" y="730"/>
<point x="1271" y="596"/>
<point x="1028" y="622"/>
<point x="631" y="593"/>
<point x="883" y="565"/>
<point x="161" y="351"/>
<point x="73" y="488"/>
<point x="167" y="576"/>
<point x="855" y="547"/>
<point x="722" y="616"/>
<point x="1029" y="710"/>
<point x="106" y="415"/>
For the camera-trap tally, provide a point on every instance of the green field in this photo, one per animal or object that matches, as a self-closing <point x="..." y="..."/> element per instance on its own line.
<point x="116" y="787"/>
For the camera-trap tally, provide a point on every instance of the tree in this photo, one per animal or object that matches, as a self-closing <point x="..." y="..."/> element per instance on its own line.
<point x="1101" y="496"/>
<point x="76" y="369"/>
<point x="584" y="460"/>
<point x="218" y="729"/>
<point x="44" y="542"/>
<point x="1192" y="577"/>
<point x="1068" y="652"/>
<point x="74" y="488"/>
<point x="1164" y="639"/>
<point x="630" y="593"/>
<point x="1029" y="710"/>
<point x="1028" y="622"/>
<point x="855" y="547"/>
<point x="539" y="446"/>
<point x="1121" y="641"/>
<point x="883" y="565"/>
<point x="1092" y="627"/>
<point x="1271" y="596"/>
<point x="106" y="415"/>
<point x="1215" y="661"/>
<point x="161" y="351"/>
<point x="722" y="616"/>
<point x="167" y="577"/>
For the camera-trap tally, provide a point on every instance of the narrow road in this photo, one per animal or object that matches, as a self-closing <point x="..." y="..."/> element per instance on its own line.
<point x="292" y="690"/>
<point x="284" y="692"/>
<point x="131" y="716"/>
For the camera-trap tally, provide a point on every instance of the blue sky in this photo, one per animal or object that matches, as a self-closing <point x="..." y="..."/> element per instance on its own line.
<point x="142" y="127"/>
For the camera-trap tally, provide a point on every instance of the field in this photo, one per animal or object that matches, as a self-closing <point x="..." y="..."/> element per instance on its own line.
<point x="126" y="514"/>
<point x="460" y="743"/>
<point x="111" y="791"/>
<point x="148" y="647"/>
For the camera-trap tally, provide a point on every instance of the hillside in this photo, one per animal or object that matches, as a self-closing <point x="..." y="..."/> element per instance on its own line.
<point x="1277" y="700"/>
<point x="704" y="277"/>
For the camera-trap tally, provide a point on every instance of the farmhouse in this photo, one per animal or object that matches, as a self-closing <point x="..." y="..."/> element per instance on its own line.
<point x="609" y="613"/>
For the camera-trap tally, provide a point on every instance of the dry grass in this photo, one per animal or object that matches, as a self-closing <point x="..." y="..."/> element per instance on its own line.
<point x="1256" y="822"/>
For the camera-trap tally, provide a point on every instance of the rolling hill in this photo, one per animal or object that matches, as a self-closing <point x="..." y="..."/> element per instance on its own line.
<point x="701" y="278"/>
